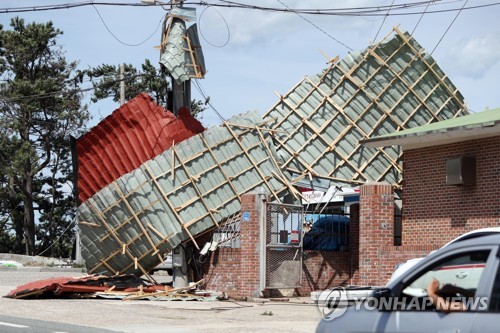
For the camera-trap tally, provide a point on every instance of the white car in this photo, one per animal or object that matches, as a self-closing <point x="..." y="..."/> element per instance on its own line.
<point x="467" y="298"/>
<point x="405" y="266"/>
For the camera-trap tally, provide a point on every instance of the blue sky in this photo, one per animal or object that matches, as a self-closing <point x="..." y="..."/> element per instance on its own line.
<point x="271" y="52"/>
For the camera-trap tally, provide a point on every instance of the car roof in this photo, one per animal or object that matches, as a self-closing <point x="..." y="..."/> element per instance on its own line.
<point x="492" y="239"/>
<point x="475" y="234"/>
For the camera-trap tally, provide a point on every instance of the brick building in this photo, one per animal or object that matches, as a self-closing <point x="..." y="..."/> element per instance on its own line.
<point x="451" y="181"/>
<point x="450" y="186"/>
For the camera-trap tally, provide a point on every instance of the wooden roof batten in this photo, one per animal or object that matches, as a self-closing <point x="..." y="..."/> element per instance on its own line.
<point x="292" y="113"/>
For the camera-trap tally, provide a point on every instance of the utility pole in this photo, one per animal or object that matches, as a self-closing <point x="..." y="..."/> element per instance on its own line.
<point x="122" y="84"/>
<point x="181" y="92"/>
<point x="181" y="97"/>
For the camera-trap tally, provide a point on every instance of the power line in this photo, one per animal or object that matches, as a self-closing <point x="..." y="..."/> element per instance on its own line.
<point x="58" y="238"/>
<point x="453" y="21"/>
<point x="67" y="6"/>
<point x="421" y="16"/>
<point x="360" y="11"/>
<point x="59" y="92"/>
<point x="198" y="87"/>
<point x="397" y="10"/>
<point x="317" y="27"/>
<point x="225" y="22"/>
<point x="118" y="39"/>
<point x="383" y="21"/>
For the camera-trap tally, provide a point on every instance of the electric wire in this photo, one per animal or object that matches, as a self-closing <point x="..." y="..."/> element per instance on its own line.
<point x="118" y="39"/>
<point x="317" y="27"/>
<point x="397" y="10"/>
<point x="59" y="92"/>
<point x="225" y="22"/>
<point x="361" y="11"/>
<point x="198" y="87"/>
<point x="420" y="19"/>
<point x="383" y="21"/>
<point x="448" y="29"/>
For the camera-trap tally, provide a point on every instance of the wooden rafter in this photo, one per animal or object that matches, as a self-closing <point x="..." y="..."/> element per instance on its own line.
<point x="360" y="86"/>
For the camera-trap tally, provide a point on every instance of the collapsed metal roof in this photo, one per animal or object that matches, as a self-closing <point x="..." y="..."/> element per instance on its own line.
<point x="391" y="85"/>
<point x="129" y="225"/>
<point x="134" y="133"/>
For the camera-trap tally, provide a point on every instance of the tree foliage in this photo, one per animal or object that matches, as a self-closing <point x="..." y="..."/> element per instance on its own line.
<point x="106" y="81"/>
<point x="40" y="106"/>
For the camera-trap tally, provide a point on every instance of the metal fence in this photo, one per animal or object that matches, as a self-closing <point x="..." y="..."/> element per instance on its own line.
<point x="329" y="232"/>
<point x="284" y="246"/>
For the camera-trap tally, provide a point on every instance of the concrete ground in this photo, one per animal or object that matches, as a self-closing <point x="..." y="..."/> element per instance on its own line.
<point x="297" y="315"/>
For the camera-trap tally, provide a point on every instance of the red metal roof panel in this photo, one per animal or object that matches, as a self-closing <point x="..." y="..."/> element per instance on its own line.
<point x="133" y="134"/>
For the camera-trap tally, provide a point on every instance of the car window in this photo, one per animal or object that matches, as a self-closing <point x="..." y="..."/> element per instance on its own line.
<point x="458" y="276"/>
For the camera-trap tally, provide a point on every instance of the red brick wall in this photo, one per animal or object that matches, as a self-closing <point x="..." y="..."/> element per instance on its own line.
<point x="325" y="269"/>
<point x="376" y="225"/>
<point x="435" y="213"/>
<point x="236" y="271"/>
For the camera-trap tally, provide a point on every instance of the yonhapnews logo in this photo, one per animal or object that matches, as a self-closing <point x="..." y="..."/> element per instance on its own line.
<point x="332" y="303"/>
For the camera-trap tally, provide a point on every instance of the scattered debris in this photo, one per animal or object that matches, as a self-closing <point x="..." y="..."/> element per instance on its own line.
<point x="281" y="299"/>
<point x="65" y="287"/>
<point x="123" y="287"/>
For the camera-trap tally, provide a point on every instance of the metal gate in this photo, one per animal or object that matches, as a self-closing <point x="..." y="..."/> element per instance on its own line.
<point x="284" y="246"/>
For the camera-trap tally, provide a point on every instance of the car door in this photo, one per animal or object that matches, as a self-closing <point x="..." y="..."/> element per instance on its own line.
<point x="487" y="321"/>
<point x="463" y="268"/>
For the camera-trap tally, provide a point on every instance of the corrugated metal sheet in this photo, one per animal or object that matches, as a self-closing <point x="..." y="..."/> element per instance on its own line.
<point x="389" y="86"/>
<point x="84" y="284"/>
<point x="471" y="127"/>
<point x="129" y="225"/>
<point x="136" y="132"/>
<point x="175" y="57"/>
<point x="192" y="32"/>
<point x="185" y="13"/>
<point x="183" y="57"/>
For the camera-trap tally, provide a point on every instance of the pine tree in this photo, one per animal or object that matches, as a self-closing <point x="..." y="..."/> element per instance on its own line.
<point x="149" y="79"/>
<point x="40" y="106"/>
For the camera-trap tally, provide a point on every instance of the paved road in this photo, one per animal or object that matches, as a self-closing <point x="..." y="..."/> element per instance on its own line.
<point x="22" y="325"/>
<point x="99" y="315"/>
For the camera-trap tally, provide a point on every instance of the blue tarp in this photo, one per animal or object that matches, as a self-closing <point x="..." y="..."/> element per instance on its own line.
<point x="329" y="232"/>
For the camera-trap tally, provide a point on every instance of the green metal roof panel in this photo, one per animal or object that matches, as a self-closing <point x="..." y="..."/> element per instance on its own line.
<point x="475" y="126"/>
<point x="388" y="86"/>
<point x="480" y="119"/>
<point x="175" y="56"/>
<point x="129" y="225"/>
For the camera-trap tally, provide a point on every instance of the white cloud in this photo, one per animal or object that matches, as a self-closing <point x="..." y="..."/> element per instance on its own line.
<point x="248" y="27"/>
<point x="473" y="57"/>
